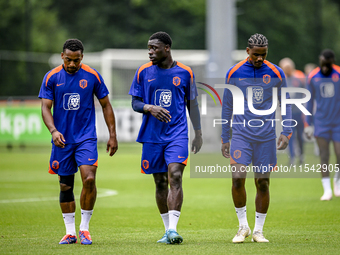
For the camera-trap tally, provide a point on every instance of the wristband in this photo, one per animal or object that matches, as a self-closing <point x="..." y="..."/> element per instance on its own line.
<point x="150" y="108"/>
<point x="53" y="131"/>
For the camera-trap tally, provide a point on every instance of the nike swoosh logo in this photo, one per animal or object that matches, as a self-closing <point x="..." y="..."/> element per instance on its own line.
<point x="241" y="79"/>
<point x="176" y="215"/>
<point x="90" y="159"/>
<point x="151" y="80"/>
<point x="180" y="157"/>
<point x="60" y="84"/>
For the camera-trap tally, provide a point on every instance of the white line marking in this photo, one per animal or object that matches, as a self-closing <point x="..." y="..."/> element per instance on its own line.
<point x="102" y="193"/>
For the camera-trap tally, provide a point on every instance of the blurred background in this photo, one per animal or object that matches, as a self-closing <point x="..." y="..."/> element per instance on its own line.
<point x="208" y="35"/>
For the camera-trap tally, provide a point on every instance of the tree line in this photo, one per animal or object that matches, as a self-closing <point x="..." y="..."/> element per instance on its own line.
<point x="295" y="29"/>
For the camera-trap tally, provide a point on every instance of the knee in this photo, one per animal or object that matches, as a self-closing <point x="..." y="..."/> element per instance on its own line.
<point x="89" y="182"/>
<point x="161" y="183"/>
<point x="238" y="183"/>
<point x="262" y="184"/>
<point x="175" y="178"/>
<point x="64" y="187"/>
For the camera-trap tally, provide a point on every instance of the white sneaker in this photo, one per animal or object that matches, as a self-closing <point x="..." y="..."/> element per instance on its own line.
<point x="326" y="196"/>
<point x="336" y="185"/>
<point x="242" y="233"/>
<point x="258" y="237"/>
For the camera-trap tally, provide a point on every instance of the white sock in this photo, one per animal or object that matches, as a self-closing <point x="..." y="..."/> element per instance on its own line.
<point x="326" y="183"/>
<point x="336" y="176"/>
<point x="85" y="219"/>
<point x="259" y="221"/>
<point x="242" y="216"/>
<point x="70" y="223"/>
<point x="173" y="219"/>
<point x="165" y="218"/>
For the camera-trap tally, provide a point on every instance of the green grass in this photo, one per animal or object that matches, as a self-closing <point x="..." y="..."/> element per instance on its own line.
<point x="129" y="222"/>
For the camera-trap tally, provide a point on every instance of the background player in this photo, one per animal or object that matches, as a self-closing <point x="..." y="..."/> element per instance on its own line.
<point x="253" y="144"/>
<point x="324" y="86"/>
<point x="69" y="88"/>
<point x="161" y="90"/>
<point x="295" y="81"/>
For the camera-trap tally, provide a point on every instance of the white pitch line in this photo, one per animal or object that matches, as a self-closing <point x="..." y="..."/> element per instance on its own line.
<point x="102" y="193"/>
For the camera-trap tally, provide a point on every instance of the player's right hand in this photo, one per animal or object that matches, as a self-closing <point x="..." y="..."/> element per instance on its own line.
<point x="58" y="139"/>
<point x="160" y="113"/>
<point x="225" y="150"/>
<point x="309" y="131"/>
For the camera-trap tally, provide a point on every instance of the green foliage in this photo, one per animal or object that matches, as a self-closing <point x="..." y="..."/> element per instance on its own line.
<point x="128" y="24"/>
<point x="295" y="29"/>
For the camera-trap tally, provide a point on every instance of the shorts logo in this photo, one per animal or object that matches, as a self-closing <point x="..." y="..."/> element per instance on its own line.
<point x="55" y="164"/>
<point x="71" y="101"/>
<point x="163" y="97"/>
<point x="176" y="81"/>
<point x="83" y="83"/>
<point x="335" y="77"/>
<point x="237" y="154"/>
<point x="145" y="164"/>
<point x="257" y="95"/>
<point x="266" y="78"/>
<point x="327" y="89"/>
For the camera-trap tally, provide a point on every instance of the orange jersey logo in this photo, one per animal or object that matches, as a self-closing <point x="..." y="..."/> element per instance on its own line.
<point x="83" y="83"/>
<point x="176" y="81"/>
<point x="335" y="77"/>
<point x="237" y="154"/>
<point x="266" y="78"/>
<point x="145" y="164"/>
<point x="55" y="164"/>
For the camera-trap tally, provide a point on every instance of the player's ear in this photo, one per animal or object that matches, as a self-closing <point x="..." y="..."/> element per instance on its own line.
<point x="62" y="55"/>
<point x="248" y="49"/>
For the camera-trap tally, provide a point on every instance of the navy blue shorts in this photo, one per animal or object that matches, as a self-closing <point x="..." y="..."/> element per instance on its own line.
<point x="157" y="156"/>
<point x="261" y="154"/>
<point x="329" y="132"/>
<point x="65" y="161"/>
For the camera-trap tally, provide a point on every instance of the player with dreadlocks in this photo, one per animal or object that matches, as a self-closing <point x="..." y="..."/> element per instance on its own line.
<point x="161" y="91"/>
<point x="253" y="141"/>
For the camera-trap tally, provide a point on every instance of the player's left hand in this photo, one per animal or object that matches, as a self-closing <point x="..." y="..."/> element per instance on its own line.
<point x="197" y="142"/>
<point x="282" y="143"/>
<point x="112" y="145"/>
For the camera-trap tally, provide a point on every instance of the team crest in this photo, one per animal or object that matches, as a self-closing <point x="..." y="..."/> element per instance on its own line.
<point x="83" y="83"/>
<point x="257" y="95"/>
<point x="266" y="78"/>
<point x="237" y="154"/>
<point x="145" y="164"/>
<point x="55" y="164"/>
<point x="335" y="77"/>
<point x="176" y="81"/>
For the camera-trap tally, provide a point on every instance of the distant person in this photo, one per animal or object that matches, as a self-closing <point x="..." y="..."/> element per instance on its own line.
<point x="249" y="144"/>
<point x="324" y="85"/>
<point x="294" y="79"/>
<point x="308" y="68"/>
<point x="70" y="89"/>
<point x="162" y="90"/>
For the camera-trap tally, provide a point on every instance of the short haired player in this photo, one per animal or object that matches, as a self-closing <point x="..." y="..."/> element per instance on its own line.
<point x="324" y="85"/>
<point x="70" y="89"/>
<point x="162" y="90"/>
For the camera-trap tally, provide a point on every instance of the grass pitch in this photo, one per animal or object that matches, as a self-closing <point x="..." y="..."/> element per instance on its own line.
<point x="129" y="222"/>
